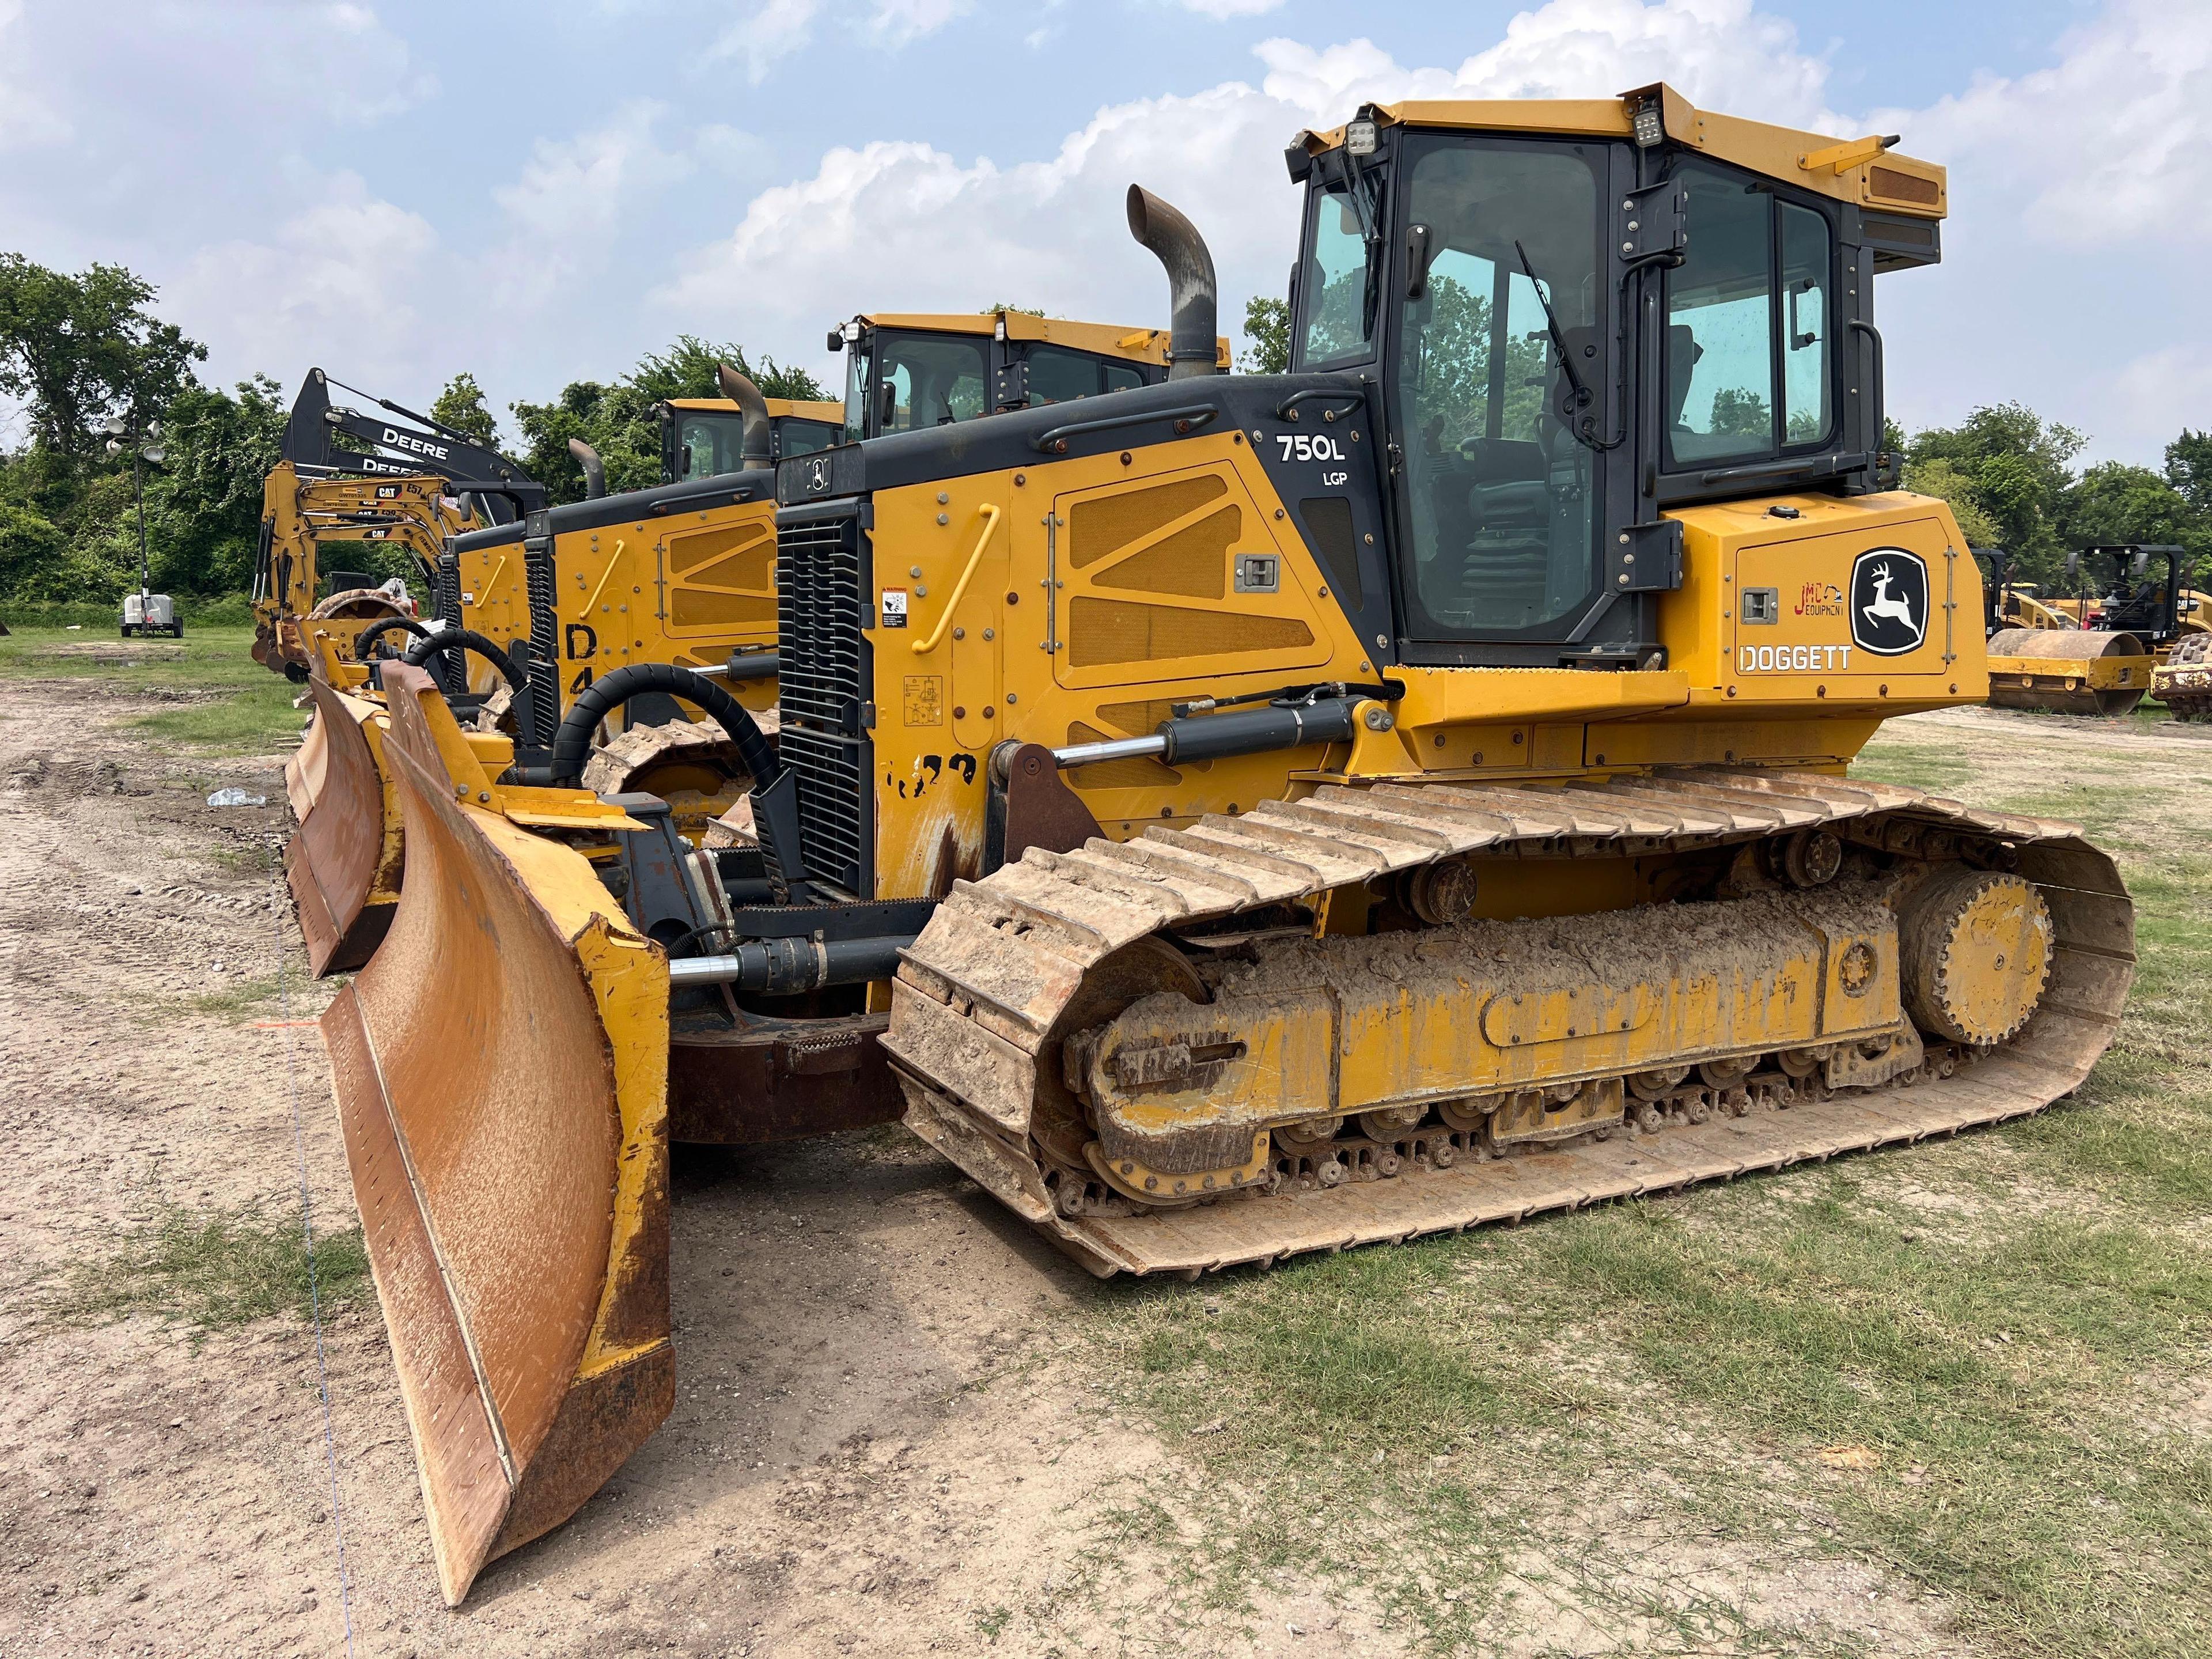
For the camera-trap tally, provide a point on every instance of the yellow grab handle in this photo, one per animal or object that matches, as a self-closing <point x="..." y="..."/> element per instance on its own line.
<point x="923" y="647"/>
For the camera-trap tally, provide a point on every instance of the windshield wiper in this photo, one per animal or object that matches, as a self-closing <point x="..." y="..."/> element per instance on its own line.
<point x="1579" y="430"/>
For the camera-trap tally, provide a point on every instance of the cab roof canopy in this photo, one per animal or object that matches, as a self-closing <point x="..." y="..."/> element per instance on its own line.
<point x="1137" y="345"/>
<point x="779" y="409"/>
<point x="1865" y="171"/>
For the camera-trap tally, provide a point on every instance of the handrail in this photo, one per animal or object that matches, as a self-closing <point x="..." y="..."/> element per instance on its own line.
<point x="1319" y="393"/>
<point x="1186" y="416"/>
<point x="621" y="548"/>
<point x="923" y="647"/>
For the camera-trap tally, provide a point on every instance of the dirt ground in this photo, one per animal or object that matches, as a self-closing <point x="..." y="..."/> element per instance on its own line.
<point x="885" y="1441"/>
<point x="875" y="1447"/>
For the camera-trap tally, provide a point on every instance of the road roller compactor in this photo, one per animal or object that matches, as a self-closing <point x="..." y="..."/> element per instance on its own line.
<point x="1252" y="815"/>
<point x="2101" y="653"/>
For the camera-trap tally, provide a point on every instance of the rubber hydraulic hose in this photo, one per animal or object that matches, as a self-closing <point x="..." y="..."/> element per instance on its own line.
<point x="377" y="629"/>
<point x="572" y="744"/>
<point x="465" y="639"/>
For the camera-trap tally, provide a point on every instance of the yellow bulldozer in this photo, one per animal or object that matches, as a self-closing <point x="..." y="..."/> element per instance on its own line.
<point x="2101" y="652"/>
<point x="702" y="437"/>
<point x="1249" y="815"/>
<point x="540" y="605"/>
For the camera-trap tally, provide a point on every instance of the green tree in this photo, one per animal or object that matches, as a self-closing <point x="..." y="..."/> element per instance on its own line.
<point x="461" y="406"/>
<point x="2018" y="468"/>
<point x="33" y="550"/>
<point x="1943" y="479"/>
<point x="1266" y="336"/>
<point x="618" y="419"/>
<point x="76" y="348"/>
<point x="1742" y="411"/>
<point x="204" y="505"/>
<point x="2189" y="470"/>
<point x="2114" y="503"/>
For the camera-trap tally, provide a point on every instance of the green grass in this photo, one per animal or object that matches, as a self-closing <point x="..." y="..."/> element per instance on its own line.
<point x="2010" y="1325"/>
<point x="226" y="703"/>
<point x="234" y="1001"/>
<point x="215" y="1269"/>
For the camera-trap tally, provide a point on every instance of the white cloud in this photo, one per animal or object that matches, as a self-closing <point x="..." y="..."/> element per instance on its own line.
<point x="575" y="188"/>
<point x="895" y="22"/>
<point x="26" y="118"/>
<point x="340" y="278"/>
<point x="563" y="212"/>
<point x="1221" y="10"/>
<point x="2114" y="141"/>
<point x="904" y="225"/>
<point x="774" y="29"/>
<point x="2072" y="259"/>
<point x="2102" y="153"/>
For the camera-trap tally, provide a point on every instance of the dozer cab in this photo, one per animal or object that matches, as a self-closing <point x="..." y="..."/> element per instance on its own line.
<point x="2098" y="654"/>
<point x="700" y="437"/>
<point x="1278" y="813"/>
<point x="345" y="477"/>
<point x="904" y="372"/>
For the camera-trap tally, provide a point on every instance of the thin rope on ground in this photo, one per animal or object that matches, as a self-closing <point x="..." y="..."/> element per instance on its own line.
<point x="314" y="1290"/>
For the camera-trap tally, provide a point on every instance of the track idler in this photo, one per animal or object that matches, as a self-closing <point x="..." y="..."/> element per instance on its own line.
<point x="501" y="1071"/>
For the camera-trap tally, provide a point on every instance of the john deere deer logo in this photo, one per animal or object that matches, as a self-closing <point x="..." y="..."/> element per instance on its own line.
<point x="1889" y="601"/>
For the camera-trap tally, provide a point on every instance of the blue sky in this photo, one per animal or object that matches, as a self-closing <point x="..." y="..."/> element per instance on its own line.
<point x="539" y="193"/>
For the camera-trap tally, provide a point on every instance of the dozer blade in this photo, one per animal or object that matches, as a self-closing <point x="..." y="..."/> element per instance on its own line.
<point x="304" y="772"/>
<point x="501" y="1071"/>
<point x="344" y="863"/>
<point x="2067" y="671"/>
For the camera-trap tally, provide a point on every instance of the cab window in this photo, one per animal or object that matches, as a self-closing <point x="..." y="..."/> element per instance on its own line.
<point x="796" y="437"/>
<point x="1748" y="348"/>
<point x="1120" y="377"/>
<point x="1807" y="398"/>
<point x="1502" y="498"/>
<point x="707" y="444"/>
<point x="1056" y="375"/>
<point x="1338" y="285"/>
<point x="859" y="388"/>
<point x="923" y="381"/>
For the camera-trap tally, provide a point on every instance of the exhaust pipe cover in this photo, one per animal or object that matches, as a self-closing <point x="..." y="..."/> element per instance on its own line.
<point x="1193" y="349"/>
<point x="595" y="470"/>
<point x="759" y="440"/>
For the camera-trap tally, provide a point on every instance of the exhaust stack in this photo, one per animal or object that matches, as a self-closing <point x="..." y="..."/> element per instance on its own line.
<point x="1175" y="241"/>
<point x="595" y="470"/>
<point x="759" y="445"/>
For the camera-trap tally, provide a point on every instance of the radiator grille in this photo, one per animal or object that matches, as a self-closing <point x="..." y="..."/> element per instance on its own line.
<point x="544" y="671"/>
<point x="822" y="586"/>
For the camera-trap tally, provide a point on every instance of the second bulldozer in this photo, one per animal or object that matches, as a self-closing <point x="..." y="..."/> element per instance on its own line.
<point x="550" y="601"/>
<point x="1250" y="815"/>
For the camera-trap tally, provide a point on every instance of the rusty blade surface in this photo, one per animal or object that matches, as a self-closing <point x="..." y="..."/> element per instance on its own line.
<point x="509" y="1156"/>
<point x="303" y="773"/>
<point x="343" y="863"/>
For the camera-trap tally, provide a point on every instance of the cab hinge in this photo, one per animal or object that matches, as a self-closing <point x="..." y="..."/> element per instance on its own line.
<point x="1647" y="558"/>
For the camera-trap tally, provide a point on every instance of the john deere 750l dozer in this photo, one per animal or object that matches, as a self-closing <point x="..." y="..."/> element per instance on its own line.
<point x="1289" y="811"/>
